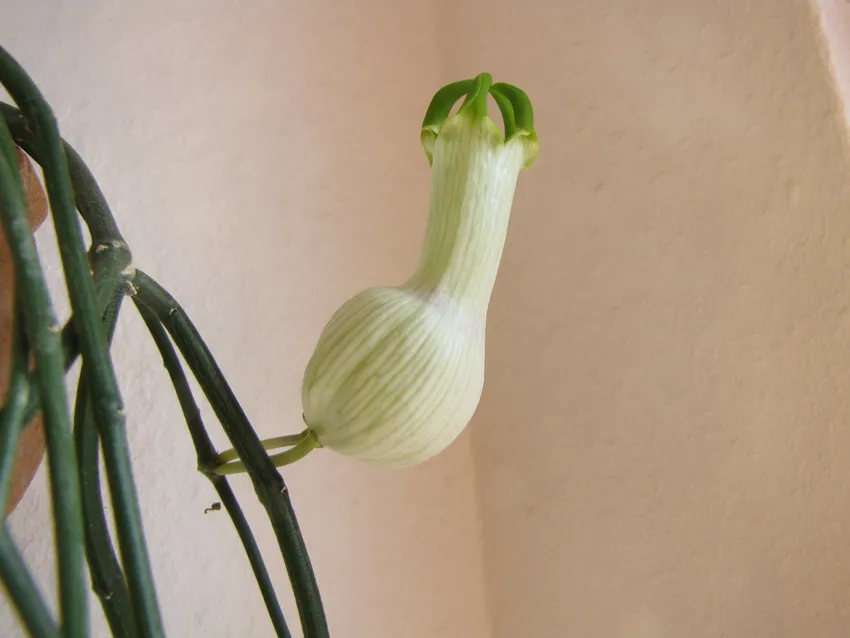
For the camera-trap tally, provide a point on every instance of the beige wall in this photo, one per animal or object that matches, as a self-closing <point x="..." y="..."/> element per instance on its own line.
<point x="835" y="25"/>
<point x="662" y="449"/>
<point x="664" y="446"/>
<point x="263" y="159"/>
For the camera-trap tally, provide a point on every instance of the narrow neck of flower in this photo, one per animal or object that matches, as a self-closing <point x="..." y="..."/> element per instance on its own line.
<point x="474" y="178"/>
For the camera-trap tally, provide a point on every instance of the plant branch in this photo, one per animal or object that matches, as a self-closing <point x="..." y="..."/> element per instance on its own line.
<point x="307" y="444"/>
<point x="23" y="590"/>
<point x="268" y="483"/>
<point x="43" y="333"/>
<point x="207" y="455"/>
<point x="11" y="420"/>
<point x="287" y="440"/>
<point x="108" y="581"/>
<point x="109" y="255"/>
<point x="106" y="401"/>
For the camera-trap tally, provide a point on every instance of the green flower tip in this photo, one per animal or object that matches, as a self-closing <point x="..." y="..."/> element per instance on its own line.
<point x="514" y="105"/>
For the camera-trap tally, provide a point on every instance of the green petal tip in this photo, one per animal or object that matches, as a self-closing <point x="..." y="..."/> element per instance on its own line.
<point x="514" y="106"/>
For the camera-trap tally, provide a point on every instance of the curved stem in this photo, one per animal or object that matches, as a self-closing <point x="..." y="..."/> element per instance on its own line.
<point x="23" y="590"/>
<point x="106" y="399"/>
<point x="301" y="449"/>
<point x="89" y="198"/>
<point x="268" y="484"/>
<point x="206" y="455"/>
<point x="107" y="577"/>
<point x="68" y="180"/>
<point x="273" y="443"/>
<point x="12" y="419"/>
<point x="107" y="262"/>
<point x="43" y="333"/>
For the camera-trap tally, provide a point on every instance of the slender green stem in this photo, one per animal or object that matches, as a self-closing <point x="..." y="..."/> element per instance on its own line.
<point x="268" y="483"/>
<point x="89" y="198"/>
<point x="12" y="419"/>
<point x="206" y="455"/>
<point x="23" y="591"/>
<point x="298" y="451"/>
<point x="273" y="443"/>
<point x="7" y="150"/>
<point x="106" y="279"/>
<point x="43" y="334"/>
<point x="70" y="352"/>
<point x="109" y="255"/>
<point x="107" y="576"/>
<point x="106" y="400"/>
<point x="34" y="129"/>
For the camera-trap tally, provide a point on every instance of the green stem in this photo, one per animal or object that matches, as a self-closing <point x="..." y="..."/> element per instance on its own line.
<point x="88" y="196"/>
<point x="273" y="443"/>
<point x="12" y="419"/>
<point x="23" y="591"/>
<point x="43" y="333"/>
<point x="107" y="576"/>
<point x="206" y="455"/>
<point x="268" y="484"/>
<point x="301" y="449"/>
<point x="106" y="400"/>
<point x="108" y="262"/>
<point x="106" y="280"/>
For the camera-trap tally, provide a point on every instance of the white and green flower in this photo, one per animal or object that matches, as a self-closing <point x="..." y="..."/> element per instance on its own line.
<point x="398" y="371"/>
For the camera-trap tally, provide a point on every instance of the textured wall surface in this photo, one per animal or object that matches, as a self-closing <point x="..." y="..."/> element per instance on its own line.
<point x="663" y="447"/>
<point x="835" y="25"/>
<point x="263" y="160"/>
<point x="664" y="444"/>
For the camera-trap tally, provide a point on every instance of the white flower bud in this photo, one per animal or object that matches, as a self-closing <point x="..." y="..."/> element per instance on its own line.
<point x="398" y="371"/>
